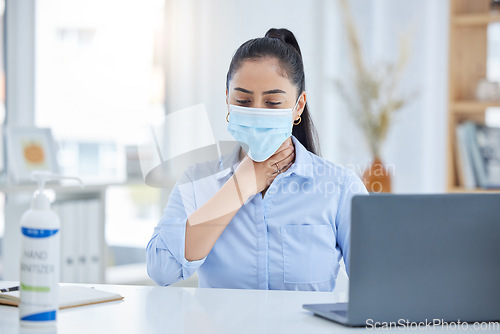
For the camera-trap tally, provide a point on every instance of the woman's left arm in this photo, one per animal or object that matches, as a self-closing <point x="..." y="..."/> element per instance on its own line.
<point x="351" y="186"/>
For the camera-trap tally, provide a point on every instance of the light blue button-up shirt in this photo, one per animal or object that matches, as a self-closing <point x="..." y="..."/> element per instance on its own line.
<point x="292" y="238"/>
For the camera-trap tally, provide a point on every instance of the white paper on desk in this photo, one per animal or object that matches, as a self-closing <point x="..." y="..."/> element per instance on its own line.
<point x="73" y="296"/>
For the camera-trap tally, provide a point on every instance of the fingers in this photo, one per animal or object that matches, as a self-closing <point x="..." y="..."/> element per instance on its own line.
<point x="281" y="160"/>
<point x="283" y="146"/>
<point x="282" y="152"/>
<point x="280" y="156"/>
<point x="284" y="164"/>
<point x="286" y="161"/>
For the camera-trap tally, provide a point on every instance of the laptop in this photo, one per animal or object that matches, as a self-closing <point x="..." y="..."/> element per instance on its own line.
<point x="418" y="258"/>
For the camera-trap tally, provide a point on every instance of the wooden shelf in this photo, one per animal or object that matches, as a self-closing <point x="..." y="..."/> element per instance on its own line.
<point x="467" y="55"/>
<point x="471" y="106"/>
<point x="476" y="19"/>
<point x="472" y="191"/>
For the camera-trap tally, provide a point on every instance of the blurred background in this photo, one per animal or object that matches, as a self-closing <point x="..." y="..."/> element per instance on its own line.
<point x="96" y="72"/>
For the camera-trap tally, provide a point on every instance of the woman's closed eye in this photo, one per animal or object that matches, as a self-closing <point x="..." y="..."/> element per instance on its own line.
<point x="243" y="101"/>
<point x="273" y="103"/>
<point x="269" y="103"/>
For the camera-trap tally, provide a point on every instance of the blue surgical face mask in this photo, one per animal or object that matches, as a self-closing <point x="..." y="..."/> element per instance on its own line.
<point x="260" y="131"/>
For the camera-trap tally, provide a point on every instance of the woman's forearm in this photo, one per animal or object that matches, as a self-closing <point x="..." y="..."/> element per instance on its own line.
<point x="205" y="225"/>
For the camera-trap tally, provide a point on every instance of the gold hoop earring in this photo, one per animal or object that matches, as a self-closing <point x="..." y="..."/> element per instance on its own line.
<point x="299" y="120"/>
<point x="227" y="120"/>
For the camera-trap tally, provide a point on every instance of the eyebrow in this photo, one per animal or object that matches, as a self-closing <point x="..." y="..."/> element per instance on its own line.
<point x="272" y="91"/>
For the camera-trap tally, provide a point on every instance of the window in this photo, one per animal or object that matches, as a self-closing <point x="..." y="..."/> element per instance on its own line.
<point x="99" y="79"/>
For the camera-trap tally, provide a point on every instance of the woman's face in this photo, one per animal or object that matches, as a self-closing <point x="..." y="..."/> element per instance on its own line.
<point x="260" y="84"/>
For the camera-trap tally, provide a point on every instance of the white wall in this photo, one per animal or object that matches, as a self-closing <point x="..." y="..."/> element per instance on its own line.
<point x="203" y="35"/>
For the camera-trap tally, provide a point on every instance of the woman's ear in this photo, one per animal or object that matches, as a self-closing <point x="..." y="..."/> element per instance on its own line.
<point x="300" y="105"/>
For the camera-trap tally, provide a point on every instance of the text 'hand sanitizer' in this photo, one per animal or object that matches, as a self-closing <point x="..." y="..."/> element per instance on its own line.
<point x="40" y="258"/>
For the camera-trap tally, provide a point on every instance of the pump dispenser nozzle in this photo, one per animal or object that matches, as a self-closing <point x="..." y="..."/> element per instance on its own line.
<point x="41" y="201"/>
<point x="41" y="177"/>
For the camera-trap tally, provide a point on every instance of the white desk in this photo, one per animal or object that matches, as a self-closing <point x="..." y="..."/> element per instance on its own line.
<point x="172" y="310"/>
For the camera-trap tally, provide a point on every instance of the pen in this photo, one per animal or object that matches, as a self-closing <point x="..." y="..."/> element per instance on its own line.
<point x="14" y="288"/>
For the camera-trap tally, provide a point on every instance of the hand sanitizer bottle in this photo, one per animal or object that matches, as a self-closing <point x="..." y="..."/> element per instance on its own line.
<point x="40" y="258"/>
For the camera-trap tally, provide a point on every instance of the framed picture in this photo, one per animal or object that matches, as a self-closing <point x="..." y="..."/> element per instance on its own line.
<point x="29" y="149"/>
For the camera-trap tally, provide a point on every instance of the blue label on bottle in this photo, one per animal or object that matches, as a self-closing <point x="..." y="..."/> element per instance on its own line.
<point x="44" y="316"/>
<point x="38" y="233"/>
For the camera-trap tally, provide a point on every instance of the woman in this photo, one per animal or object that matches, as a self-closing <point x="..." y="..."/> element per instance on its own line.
<point x="273" y="215"/>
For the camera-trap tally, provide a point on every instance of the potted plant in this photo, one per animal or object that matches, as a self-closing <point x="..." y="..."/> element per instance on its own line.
<point x="372" y="99"/>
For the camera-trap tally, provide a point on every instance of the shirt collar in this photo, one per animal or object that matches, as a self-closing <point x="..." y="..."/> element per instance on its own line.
<point x="302" y="165"/>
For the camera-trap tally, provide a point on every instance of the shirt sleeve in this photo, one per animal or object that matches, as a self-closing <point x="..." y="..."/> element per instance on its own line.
<point x="166" y="263"/>
<point x="352" y="185"/>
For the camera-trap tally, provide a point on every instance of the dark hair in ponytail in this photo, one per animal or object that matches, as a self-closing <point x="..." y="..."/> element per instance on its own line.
<point x="282" y="45"/>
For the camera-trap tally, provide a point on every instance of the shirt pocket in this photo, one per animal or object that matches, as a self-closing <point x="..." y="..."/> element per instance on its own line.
<point x="308" y="253"/>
